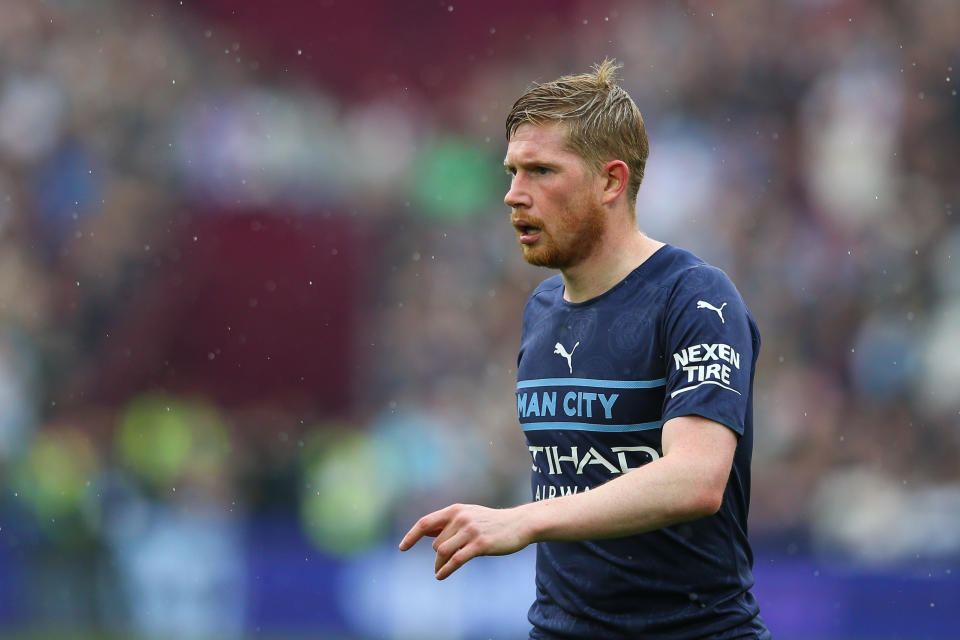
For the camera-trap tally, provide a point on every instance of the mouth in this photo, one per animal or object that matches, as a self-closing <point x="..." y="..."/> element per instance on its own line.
<point x="528" y="232"/>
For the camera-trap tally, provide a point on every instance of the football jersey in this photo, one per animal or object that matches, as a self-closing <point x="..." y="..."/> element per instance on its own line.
<point x="596" y="382"/>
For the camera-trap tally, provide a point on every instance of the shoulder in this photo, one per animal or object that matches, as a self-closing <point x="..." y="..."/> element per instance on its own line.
<point x="546" y="292"/>
<point x="688" y="276"/>
<point x="700" y="293"/>
<point x="551" y="284"/>
<point x="544" y="298"/>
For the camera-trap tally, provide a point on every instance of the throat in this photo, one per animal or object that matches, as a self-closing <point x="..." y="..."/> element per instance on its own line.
<point x="596" y="276"/>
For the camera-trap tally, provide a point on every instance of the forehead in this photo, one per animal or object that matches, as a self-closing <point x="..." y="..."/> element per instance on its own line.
<point x="547" y="142"/>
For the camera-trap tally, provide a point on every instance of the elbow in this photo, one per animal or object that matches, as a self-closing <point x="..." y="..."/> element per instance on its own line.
<point x="704" y="501"/>
<point x="711" y="502"/>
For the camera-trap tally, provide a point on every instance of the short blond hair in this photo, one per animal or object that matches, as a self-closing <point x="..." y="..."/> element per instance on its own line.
<point x="601" y="120"/>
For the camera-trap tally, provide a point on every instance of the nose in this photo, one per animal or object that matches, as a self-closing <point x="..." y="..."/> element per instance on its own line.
<point x="516" y="196"/>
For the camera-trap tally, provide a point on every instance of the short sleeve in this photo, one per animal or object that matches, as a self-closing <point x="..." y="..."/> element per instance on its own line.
<point x="709" y="345"/>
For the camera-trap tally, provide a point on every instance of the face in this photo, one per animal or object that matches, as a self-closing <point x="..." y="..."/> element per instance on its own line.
<point x="554" y="197"/>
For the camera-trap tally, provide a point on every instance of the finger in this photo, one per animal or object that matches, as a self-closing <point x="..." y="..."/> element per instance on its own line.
<point x="459" y="558"/>
<point x="429" y="525"/>
<point x="449" y="546"/>
<point x="451" y="526"/>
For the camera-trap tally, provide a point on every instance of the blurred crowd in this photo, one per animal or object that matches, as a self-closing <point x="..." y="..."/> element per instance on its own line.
<point x="232" y="291"/>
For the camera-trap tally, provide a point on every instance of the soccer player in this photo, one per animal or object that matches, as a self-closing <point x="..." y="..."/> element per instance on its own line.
<point x="634" y="390"/>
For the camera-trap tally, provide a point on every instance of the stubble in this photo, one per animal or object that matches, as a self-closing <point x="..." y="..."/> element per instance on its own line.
<point x="573" y="239"/>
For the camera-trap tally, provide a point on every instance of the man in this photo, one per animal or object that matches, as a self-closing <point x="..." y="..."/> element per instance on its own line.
<point x="634" y="390"/>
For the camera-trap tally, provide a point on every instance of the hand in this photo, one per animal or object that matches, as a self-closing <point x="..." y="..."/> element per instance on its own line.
<point x="465" y="531"/>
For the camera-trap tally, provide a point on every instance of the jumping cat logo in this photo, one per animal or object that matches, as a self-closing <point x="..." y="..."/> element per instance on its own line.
<point x="559" y="350"/>
<point x="706" y="305"/>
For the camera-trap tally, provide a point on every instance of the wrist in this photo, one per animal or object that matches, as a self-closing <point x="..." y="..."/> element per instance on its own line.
<point x="533" y="521"/>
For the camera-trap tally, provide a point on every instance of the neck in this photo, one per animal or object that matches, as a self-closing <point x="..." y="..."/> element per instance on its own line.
<point x="621" y="251"/>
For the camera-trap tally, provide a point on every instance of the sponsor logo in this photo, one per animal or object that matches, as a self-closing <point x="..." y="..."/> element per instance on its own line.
<point x="706" y="364"/>
<point x="559" y="350"/>
<point x="570" y="459"/>
<point x="546" y="491"/>
<point x="702" y="304"/>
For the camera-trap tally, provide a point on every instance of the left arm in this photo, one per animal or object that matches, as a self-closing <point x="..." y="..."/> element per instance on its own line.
<point x="686" y="483"/>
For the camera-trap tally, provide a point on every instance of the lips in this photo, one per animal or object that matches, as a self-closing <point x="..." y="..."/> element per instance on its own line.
<point x="528" y="232"/>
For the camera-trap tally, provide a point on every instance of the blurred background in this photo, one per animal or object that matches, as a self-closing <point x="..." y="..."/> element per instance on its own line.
<point x="260" y="301"/>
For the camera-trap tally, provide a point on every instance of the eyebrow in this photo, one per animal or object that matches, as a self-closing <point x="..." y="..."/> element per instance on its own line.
<point x="534" y="162"/>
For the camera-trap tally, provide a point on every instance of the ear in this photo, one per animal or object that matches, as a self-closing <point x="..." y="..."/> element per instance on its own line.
<point x="615" y="175"/>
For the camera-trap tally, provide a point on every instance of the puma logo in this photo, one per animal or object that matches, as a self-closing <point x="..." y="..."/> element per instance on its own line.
<point x="706" y="305"/>
<point x="560" y="351"/>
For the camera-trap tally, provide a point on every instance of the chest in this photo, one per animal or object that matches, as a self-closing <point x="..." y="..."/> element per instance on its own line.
<point x="599" y="368"/>
<point x="602" y="342"/>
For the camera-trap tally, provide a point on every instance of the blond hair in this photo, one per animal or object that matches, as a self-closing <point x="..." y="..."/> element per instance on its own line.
<point x="601" y="120"/>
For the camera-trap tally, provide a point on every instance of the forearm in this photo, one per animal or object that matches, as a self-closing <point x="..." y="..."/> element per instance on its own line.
<point x="686" y="483"/>
<point x="659" y="494"/>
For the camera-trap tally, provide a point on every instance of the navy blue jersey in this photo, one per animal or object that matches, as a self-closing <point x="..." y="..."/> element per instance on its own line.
<point x="596" y="381"/>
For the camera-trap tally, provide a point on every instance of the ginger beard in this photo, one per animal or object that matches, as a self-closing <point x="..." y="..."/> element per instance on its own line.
<point x="570" y="240"/>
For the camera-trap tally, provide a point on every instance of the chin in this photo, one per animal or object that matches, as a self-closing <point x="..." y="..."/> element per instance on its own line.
<point x="542" y="257"/>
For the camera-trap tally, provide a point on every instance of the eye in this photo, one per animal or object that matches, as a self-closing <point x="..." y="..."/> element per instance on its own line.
<point x="511" y="171"/>
<point x="541" y="171"/>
